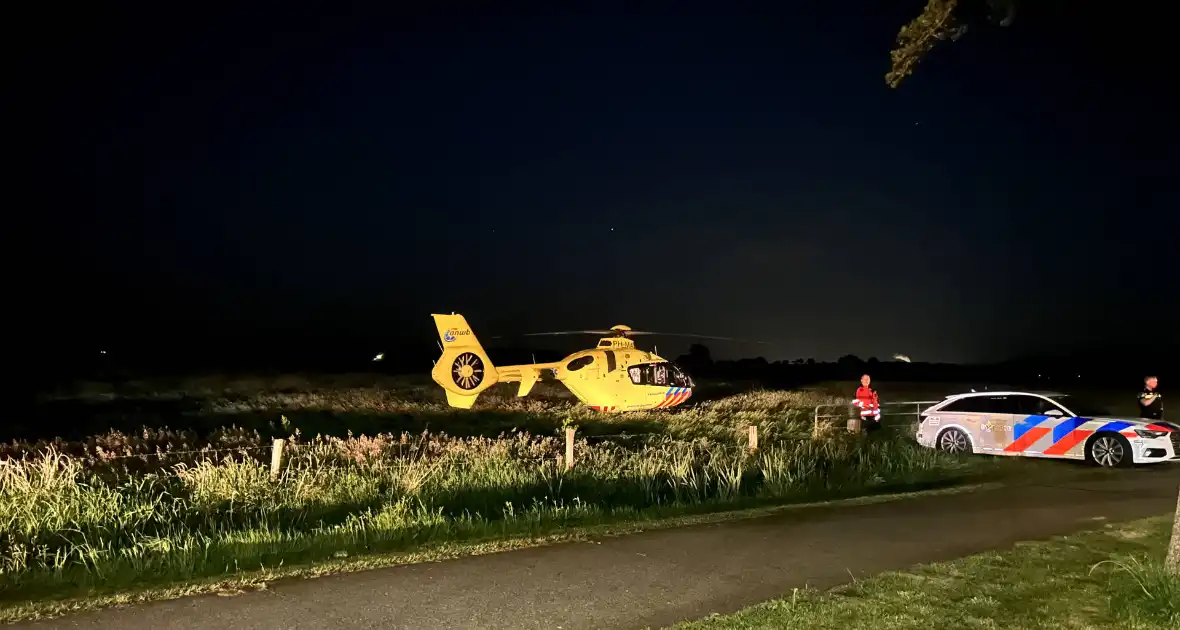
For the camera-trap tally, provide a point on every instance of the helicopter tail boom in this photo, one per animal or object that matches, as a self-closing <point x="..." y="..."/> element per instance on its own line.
<point x="527" y="375"/>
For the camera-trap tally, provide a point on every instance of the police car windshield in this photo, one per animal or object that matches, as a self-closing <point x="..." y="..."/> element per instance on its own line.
<point x="1081" y="407"/>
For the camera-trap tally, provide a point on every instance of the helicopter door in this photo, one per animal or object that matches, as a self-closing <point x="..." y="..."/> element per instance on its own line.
<point x="649" y="374"/>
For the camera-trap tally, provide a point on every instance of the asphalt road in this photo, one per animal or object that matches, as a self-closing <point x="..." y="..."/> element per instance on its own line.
<point x="658" y="578"/>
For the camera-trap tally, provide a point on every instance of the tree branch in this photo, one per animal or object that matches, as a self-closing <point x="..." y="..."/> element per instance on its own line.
<point x="918" y="37"/>
<point x="936" y="22"/>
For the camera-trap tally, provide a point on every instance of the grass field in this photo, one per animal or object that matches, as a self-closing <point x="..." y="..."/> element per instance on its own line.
<point x="124" y="510"/>
<point x="1106" y="579"/>
<point x="373" y="404"/>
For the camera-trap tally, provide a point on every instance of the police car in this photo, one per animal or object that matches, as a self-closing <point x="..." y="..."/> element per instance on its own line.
<point x="1044" y="425"/>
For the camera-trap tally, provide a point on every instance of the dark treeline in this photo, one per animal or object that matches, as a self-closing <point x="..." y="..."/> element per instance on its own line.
<point x="1117" y="367"/>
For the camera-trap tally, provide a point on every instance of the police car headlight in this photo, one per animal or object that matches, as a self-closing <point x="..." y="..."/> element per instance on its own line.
<point x="1150" y="435"/>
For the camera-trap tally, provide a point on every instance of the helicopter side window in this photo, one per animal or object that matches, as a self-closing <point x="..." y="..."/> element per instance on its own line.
<point x="636" y="373"/>
<point x="610" y="360"/>
<point x="579" y="363"/>
<point x="659" y="374"/>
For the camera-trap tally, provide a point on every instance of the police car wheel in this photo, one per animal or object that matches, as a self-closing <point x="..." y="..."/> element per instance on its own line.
<point x="953" y="440"/>
<point x="1109" y="450"/>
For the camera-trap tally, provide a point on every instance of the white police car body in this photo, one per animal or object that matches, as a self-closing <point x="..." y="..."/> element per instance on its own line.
<point x="1044" y="425"/>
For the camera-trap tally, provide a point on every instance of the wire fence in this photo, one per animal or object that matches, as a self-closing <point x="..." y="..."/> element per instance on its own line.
<point x="185" y="453"/>
<point x="896" y="416"/>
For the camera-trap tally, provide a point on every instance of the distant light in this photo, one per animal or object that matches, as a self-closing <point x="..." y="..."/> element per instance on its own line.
<point x="380" y="356"/>
<point x="102" y="351"/>
<point x="901" y="357"/>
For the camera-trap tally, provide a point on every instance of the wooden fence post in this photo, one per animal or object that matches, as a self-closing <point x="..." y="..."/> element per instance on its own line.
<point x="753" y="437"/>
<point x="569" y="448"/>
<point x="276" y="458"/>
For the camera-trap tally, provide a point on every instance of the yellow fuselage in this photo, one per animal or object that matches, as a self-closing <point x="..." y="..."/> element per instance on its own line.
<point x="614" y="376"/>
<point x="602" y="378"/>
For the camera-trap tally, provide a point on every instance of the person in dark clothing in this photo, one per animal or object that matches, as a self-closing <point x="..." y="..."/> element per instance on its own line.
<point x="1151" y="402"/>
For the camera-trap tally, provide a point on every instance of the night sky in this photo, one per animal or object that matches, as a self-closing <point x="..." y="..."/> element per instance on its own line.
<point x="245" y="176"/>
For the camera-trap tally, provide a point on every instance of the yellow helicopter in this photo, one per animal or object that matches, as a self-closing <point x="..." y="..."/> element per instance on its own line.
<point x="614" y="376"/>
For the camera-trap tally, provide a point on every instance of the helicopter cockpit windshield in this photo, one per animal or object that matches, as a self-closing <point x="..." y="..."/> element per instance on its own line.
<point x="662" y="374"/>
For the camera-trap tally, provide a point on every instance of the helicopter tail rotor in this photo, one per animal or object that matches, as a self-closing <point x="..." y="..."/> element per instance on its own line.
<point x="464" y="370"/>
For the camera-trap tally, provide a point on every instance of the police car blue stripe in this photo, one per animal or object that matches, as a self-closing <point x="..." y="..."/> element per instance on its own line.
<point x="1065" y="427"/>
<point x="1022" y="427"/>
<point x="1115" y="426"/>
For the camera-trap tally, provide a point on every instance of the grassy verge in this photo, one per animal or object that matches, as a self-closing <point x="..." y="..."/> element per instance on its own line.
<point x="67" y="531"/>
<point x="1110" y="578"/>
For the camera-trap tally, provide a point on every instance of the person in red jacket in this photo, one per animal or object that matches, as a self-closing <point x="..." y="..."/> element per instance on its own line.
<point x="869" y="405"/>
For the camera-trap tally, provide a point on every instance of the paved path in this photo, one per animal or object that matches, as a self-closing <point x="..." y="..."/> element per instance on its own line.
<point x="658" y="578"/>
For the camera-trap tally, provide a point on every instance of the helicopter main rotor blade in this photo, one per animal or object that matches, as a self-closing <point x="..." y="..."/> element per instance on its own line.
<point x="664" y="334"/>
<point x="572" y="332"/>
<point x="628" y="333"/>
<point x="560" y="332"/>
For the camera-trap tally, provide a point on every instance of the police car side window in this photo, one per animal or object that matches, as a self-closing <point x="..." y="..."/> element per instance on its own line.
<point x="974" y="404"/>
<point x="1034" y="406"/>
<point x="1003" y="404"/>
